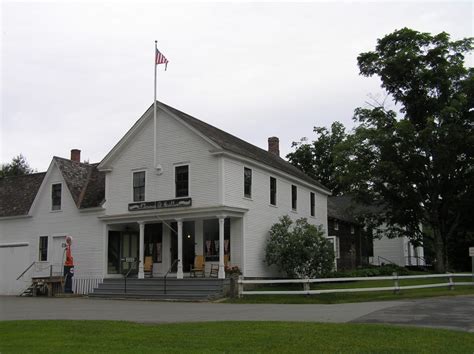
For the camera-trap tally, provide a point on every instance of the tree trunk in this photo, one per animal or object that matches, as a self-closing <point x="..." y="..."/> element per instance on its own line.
<point x="440" y="265"/>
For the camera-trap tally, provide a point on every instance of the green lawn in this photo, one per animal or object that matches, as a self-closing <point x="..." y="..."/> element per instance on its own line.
<point x="335" y="298"/>
<point x="225" y="337"/>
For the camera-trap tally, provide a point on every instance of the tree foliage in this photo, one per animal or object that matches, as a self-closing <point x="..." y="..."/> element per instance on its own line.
<point x="323" y="159"/>
<point x="299" y="249"/>
<point x="18" y="167"/>
<point x="419" y="166"/>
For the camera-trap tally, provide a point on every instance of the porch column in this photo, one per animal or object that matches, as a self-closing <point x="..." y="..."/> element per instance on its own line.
<point x="221" y="247"/>
<point x="141" y="250"/>
<point x="179" y="274"/>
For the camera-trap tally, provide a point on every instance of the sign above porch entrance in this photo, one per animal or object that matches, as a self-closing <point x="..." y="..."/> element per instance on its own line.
<point x="161" y="204"/>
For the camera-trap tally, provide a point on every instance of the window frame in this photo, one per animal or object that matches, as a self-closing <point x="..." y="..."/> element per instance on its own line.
<point x="312" y="204"/>
<point x="176" y="166"/>
<point x="273" y="191"/>
<point x="294" y="197"/>
<point x="43" y="248"/>
<point x="59" y="206"/>
<point x="248" y="195"/>
<point x="144" y="185"/>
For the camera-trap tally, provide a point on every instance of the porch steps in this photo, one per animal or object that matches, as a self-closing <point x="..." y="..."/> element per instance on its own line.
<point x="188" y="289"/>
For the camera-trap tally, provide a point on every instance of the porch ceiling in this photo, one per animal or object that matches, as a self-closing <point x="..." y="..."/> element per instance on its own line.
<point x="184" y="214"/>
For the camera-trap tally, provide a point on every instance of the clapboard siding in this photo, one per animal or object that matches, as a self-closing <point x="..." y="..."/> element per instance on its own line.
<point x="176" y="144"/>
<point x="261" y="215"/>
<point x="85" y="228"/>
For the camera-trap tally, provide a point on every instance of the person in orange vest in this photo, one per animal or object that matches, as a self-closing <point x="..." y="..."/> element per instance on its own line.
<point x="68" y="267"/>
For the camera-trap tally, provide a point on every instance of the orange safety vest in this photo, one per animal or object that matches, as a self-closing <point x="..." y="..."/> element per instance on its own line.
<point x="69" y="260"/>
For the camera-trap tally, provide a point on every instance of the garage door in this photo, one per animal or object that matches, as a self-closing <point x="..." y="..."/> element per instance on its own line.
<point x="14" y="258"/>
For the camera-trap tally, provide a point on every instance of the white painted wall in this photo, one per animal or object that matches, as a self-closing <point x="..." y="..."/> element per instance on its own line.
<point x="262" y="215"/>
<point x="176" y="144"/>
<point x="85" y="228"/>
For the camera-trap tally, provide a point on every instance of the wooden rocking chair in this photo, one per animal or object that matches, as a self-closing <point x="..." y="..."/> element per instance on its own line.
<point x="199" y="267"/>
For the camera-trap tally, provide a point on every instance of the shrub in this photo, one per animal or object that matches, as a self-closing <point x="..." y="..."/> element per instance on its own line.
<point x="299" y="249"/>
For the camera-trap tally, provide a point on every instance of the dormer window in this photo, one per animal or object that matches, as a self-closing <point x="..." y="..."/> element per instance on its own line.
<point x="139" y="186"/>
<point x="56" y="191"/>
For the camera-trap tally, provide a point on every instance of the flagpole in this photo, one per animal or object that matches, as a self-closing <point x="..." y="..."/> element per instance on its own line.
<point x="154" y="110"/>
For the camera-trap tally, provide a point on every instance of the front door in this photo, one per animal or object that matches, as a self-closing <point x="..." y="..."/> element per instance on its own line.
<point x="58" y="254"/>
<point x="122" y="245"/>
<point x="188" y="245"/>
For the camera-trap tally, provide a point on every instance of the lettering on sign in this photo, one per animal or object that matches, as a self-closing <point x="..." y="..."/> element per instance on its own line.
<point x="161" y="204"/>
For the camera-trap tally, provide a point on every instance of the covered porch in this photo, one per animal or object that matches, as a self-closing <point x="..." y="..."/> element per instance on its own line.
<point x="159" y="244"/>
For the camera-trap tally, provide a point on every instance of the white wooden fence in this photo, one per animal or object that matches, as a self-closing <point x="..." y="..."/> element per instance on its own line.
<point x="395" y="278"/>
<point x="85" y="285"/>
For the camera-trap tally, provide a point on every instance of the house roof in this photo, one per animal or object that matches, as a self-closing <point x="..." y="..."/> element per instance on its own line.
<point x="85" y="183"/>
<point x="17" y="193"/>
<point x="238" y="146"/>
<point x="346" y="208"/>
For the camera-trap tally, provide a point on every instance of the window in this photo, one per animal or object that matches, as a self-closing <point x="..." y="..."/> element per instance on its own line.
<point x="56" y="196"/>
<point x="273" y="191"/>
<point x="247" y="182"/>
<point x="294" y="197"/>
<point x="336" y="225"/>
<point x="43" y="248"/>
<point x="181" y="175"/>
<point x="311" y="197"/>
<point x="139" y="186"/>
<point x="211" y="239"/>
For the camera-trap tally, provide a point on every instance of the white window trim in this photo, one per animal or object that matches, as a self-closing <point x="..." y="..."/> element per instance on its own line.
<point x="146" y="179"/>
<point x="251" y="183"/>
<point x="51" y="197"/>
<point x="276" y="191"/>
<point x="47" y="249"/>
<point x="291" y="196"/>
<point x="179" y="164"/>
<point x="335" y="242"/>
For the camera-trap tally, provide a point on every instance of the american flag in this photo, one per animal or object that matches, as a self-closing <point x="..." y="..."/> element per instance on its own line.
<point x="161" y="59"/>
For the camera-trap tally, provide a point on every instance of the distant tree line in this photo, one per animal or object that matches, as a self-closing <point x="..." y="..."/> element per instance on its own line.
<point x="18" y="167"/>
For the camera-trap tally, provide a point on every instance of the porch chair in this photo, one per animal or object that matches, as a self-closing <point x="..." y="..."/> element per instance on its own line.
<point x="215" y="267"/>
<point x="148" y="266"/>
<point x="199" y="266"/>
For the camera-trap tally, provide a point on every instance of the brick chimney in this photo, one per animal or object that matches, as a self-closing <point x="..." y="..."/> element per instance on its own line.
<point x="76" y="155"/>
<point x="274" y="145"/>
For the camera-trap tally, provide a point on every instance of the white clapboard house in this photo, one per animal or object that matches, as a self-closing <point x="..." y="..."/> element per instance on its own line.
<point x="170" y="189"/>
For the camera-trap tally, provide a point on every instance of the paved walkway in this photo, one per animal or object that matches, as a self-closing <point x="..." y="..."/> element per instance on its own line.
<point x="449" y="312"/>
<point x="455" y="312"/>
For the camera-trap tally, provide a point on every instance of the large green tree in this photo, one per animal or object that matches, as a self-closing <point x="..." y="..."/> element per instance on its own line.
<point x="419" y="165"/>
<point x="323" y="159"/>
<point x="18" y="167"/>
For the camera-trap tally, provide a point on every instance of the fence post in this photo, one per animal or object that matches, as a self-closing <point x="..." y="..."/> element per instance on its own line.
<point x="306" y="286"/>
<point x="241" y="286"/>
<point x="450" y="280"/>
<point x="396" y="288"/>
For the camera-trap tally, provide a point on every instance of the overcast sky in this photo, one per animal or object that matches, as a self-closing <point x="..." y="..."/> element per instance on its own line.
<point x="79" y="75"/>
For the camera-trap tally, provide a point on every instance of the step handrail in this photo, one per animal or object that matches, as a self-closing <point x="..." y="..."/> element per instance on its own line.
<point x="168" y="272"/>
<point x="128" y="273"/>
<point x="27" y="269"/>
